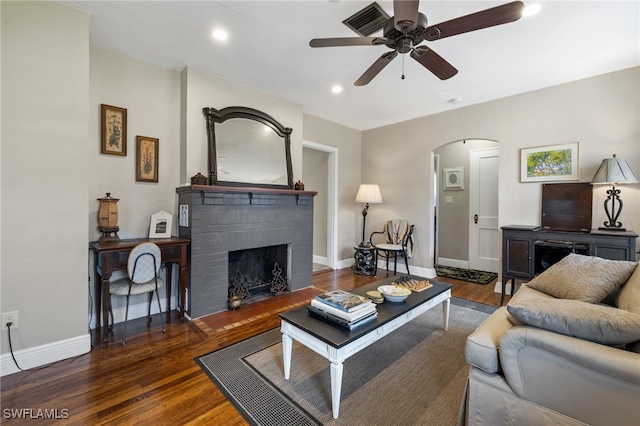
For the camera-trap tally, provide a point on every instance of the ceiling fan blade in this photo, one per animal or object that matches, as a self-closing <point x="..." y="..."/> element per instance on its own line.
<point x="374" y="69"/>
<point x="405" y="14"/>
<point x="347" y="41"/>
<point x="434" y="62"/>
<point x="476" y="21"/>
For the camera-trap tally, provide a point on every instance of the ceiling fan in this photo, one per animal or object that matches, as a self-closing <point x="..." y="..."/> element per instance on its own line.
<point x="408" y="28"/>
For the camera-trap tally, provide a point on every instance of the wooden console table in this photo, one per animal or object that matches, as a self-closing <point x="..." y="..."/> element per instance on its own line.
<point x="112" y="256"/>
<point x="523" y="246"/>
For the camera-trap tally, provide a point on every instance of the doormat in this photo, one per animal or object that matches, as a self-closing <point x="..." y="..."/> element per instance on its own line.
<point x="471" y="275"/>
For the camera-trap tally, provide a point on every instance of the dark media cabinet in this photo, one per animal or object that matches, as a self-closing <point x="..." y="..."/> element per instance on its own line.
<point x="529" y="250"/>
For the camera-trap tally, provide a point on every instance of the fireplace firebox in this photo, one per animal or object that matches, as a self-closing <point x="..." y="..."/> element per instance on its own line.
<point x="258" y="273"/>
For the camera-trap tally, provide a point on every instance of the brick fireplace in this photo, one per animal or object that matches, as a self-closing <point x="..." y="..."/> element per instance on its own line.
<point x="220" y="220"/>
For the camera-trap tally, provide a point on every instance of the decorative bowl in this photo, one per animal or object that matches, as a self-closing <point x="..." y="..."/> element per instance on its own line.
<point x="393" y="293"/>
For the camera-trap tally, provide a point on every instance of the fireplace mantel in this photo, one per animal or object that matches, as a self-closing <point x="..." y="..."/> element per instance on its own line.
<point x="242" y="190"/>
<point x="221" y="219"/>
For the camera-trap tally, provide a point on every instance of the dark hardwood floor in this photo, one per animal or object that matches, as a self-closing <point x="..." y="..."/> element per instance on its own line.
<point x="154" y="379"/>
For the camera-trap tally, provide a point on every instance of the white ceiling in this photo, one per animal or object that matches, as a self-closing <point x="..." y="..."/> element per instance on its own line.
<point x="268" y="49"/>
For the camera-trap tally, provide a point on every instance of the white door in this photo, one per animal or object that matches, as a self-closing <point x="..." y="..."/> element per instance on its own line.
<point x="484" y="243"/>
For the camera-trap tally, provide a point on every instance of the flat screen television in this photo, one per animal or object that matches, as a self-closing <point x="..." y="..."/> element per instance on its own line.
<point x="567" y="206"/>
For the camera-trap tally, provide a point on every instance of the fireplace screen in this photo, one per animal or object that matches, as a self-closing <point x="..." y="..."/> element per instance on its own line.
<point x="258" y="271"/>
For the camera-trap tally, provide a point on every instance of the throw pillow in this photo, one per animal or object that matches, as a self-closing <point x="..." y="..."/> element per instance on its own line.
<point x="586" y="278"/>
<point x="596" y="323"/>
<point x="629" y="296"/>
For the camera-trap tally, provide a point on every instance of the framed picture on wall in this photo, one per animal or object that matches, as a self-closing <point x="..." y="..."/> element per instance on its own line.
<point x="113" y="130"/>
<point x="146" y="159"/>
<point x="160" y="225"/>
<point x="453" y="178"/>
<point x="549" y="163"/>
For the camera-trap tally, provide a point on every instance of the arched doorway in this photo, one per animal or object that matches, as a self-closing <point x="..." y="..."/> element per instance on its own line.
<point x="465" y="194"/>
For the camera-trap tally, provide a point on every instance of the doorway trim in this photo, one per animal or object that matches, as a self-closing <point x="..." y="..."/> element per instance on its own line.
<point x="434" y="206"/>
<point x="332" y="199"/>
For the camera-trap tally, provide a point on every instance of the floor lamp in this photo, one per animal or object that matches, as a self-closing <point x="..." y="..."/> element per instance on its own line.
<point x="368" y="194"/>
<point x="614" y="171"/>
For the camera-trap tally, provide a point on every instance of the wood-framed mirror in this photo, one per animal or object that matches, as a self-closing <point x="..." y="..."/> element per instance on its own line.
<point x="247" y="147"/>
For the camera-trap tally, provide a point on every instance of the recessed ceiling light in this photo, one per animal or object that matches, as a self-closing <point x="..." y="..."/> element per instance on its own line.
<point x="531" y="9"/>
<point x="336" y="89"/>
<point x="220" y="34"/>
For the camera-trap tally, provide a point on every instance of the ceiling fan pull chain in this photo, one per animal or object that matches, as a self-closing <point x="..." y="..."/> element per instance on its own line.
<point x="402" y="68"/>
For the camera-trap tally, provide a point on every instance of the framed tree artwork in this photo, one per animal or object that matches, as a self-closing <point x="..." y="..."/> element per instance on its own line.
<point x="114" y="130"/>
<point x="146" y="159"/>
<point x="549" y="163"/>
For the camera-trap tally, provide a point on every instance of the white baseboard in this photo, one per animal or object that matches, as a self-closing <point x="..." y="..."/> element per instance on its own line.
<point x="45" y="354"/>
<point x="56" y="351"/>
<point x="507" y="289"/>
<point x="322" y="260"/>
<point x="139" y="310"/>
<point x="454" y="263"/>
<point x="382" y="264"/>
<point x="345" y="263"/>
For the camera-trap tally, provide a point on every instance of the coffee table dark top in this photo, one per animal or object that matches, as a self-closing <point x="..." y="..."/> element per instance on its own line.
<point x="387" y="311"/>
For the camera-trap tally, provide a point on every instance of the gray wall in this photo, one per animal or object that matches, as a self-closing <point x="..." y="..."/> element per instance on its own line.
<point x="601" y="113"/>
<point x="348" y="142"/>
<point x="45" y="141"/>
<point x="315" y="169"/>
<point x="52" y="170"/>
<point x="53" y="82"/>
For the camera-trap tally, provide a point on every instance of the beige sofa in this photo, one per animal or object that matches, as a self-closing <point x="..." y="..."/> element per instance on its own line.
<point x="536" y="361"/>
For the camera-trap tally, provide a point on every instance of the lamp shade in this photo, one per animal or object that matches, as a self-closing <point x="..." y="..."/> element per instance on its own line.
<point x="369" y="194"/>
<point x="614" y="171"/>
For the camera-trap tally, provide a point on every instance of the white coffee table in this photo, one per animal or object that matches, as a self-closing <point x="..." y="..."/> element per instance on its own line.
<point x="337" y="344"/>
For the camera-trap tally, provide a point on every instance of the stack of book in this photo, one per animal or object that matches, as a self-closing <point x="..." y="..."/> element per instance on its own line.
<point x="342" y="308"/>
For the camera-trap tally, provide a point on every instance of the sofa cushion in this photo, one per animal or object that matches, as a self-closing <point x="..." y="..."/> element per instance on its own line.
<point x="585" y="278"/>
<point x="629" y="296"/>
<point x="596" y="323"/>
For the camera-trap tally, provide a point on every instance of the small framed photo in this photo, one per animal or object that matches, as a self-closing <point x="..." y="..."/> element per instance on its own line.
<point x="549" y="163"/>
<point x="453" y="178"/>
<point x="146" y="159"/>
<point x="114" y="130"/>
<point x="160" y="225"/>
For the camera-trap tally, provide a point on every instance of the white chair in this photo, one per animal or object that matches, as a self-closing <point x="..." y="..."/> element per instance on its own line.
<point x="398" y="235"/>
<point x="143" y="265"/>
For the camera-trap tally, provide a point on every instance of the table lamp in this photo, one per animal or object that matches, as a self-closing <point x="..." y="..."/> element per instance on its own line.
<point x="614" y="171"/>
<point x="367" y="193"/>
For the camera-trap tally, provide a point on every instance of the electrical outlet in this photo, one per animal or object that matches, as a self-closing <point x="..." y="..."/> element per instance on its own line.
<point x="11" y="317"/>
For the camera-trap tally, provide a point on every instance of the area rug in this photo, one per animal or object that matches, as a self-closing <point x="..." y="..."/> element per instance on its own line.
<point x="471" y="275"/>
<point x="414" y="376"/>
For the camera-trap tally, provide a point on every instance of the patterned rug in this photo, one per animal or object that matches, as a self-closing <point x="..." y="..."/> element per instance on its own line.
<point x="471" y="275"/>
<point x="415" y="375"/>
